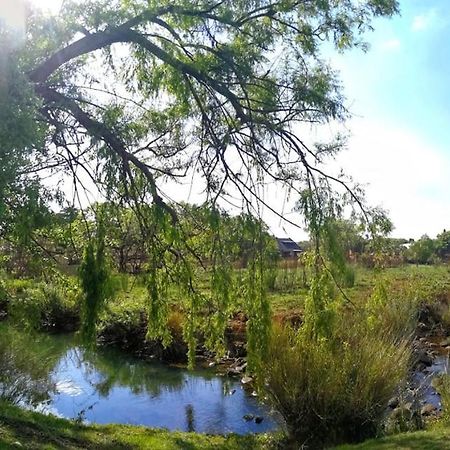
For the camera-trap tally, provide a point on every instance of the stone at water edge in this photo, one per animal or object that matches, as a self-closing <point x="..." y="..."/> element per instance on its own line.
<point x="259" y="419"/>
<point x="246" y="380"/>
<point x="393" y="402"/>
<point x="248" y="417"/>
<point x="424" y="358"/>
<point x="428" y="409"/>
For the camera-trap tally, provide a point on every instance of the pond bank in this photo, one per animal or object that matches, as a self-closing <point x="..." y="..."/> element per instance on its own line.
<point x="30" y="430"/>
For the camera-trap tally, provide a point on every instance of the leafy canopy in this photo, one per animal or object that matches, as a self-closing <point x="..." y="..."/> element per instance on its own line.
<point x="127" y="94"/>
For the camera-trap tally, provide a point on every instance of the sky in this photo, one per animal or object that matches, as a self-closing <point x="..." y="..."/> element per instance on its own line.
<point x="399" y="134"/>
<point x="399" y="95"/>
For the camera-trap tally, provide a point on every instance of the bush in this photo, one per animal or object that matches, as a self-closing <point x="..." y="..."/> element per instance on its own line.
<point x="44" y="305"/>
<point x="334" y="390"/>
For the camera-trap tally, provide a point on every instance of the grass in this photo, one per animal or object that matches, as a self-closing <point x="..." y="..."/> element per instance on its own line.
<point x="25" y="429"/>
<point x="34" y="431"/>
<point x="435" y="439"/>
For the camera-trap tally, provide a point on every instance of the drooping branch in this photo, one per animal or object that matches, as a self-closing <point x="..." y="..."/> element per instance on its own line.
<point x="101" y="131"/>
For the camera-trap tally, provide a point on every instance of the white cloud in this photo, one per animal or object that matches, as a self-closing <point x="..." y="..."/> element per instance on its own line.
<point x="405" y="175"/>
<point x="423" y="21"/>
<point x="391" y="45"/>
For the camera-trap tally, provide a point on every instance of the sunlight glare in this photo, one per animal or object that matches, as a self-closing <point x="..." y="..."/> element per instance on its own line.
<point x="51" y="6"/>
<point x="12" y="15"/>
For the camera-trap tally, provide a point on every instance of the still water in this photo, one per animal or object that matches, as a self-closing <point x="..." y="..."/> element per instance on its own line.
<point x="107" y="386"/>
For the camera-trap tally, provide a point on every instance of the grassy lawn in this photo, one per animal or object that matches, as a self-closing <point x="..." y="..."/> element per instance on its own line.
<point x="436" y="439"/>
<point x="24" y="429"/>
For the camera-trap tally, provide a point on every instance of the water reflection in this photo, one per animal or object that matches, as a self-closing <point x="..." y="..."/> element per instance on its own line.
<point x="25" y="367"/>
<point x="190" y="421"/>
<point x="106" y="386"/>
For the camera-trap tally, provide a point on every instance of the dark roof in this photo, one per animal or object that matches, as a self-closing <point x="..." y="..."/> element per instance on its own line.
<point x="288" y="245"/>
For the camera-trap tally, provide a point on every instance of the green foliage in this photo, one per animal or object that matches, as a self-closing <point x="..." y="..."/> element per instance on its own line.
<point x="442" y="384"/>
<point x="335" y="388"/>
<point x="395" y="312"/>
<point x="442" y="244"/>
<point x="95" y="282"/>
<point x="197" y="88"/>
<point x="39" y="305"/>
<point x="422" y="250"/>
<point x="24" y="369"/>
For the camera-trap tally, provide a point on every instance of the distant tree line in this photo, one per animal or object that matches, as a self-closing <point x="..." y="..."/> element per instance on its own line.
<point x="60" y="239"/>
<point x="359" y="247"/>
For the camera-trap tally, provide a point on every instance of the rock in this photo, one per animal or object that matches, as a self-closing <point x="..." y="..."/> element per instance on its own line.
<point x="421" y="367"/>
<point x="393" y="402"/>
<point x="424" y="358"/>
<point x="232" y="392"/>
<point x="246" y="380"/>
<point x="401" y="413"/>
<point x="248" y="417"/>
<point x="428" y="409"/>
<point x="211" y="364"/>
<point x="445" y="342"/>
<point x="259" y="419"/>
<point x="434" y="345"/>
<point x="17" y="444"/>
<point x="254" y="394"/>
<point x="408" y="406"/>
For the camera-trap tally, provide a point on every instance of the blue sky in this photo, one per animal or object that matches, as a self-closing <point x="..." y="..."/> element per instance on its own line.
<point x="399" y="134"/>
<point x="399" y="95"/>
<point x="404" y="76"/>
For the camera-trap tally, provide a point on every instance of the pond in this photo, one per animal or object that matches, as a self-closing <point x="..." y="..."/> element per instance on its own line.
<point x="51" y="373"/>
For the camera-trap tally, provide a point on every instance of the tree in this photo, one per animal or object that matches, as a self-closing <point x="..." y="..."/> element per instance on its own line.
<point x="215" y="90"/>
<point x="443" y="244"/>
<point x="422" y="250"/>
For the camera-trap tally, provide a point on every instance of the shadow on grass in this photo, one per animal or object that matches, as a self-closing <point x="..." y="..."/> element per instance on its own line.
<point x="25" y="429"/>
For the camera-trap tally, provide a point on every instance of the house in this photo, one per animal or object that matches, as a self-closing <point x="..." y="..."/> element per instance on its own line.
<point x="288" y="248"/>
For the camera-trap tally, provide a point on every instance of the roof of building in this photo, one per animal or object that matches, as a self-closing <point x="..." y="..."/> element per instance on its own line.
<point x="288" y="245"/>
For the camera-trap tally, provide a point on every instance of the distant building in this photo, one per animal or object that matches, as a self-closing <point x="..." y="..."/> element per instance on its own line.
<point x="288" y="248"/>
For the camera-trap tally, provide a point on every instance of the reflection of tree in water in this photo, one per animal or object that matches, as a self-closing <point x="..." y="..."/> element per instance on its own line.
<point x="29" y="362"/>
<point x="26" y="363"/>
<point x="190" y="419"/>
<point x="115" y="369"/>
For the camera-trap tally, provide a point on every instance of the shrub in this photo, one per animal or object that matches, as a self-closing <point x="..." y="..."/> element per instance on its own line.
<point x="336" y="389"/>
<point x="44" y="305"/>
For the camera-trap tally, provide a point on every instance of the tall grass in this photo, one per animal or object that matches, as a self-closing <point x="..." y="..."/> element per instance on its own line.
<point x="335" y="389"/>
